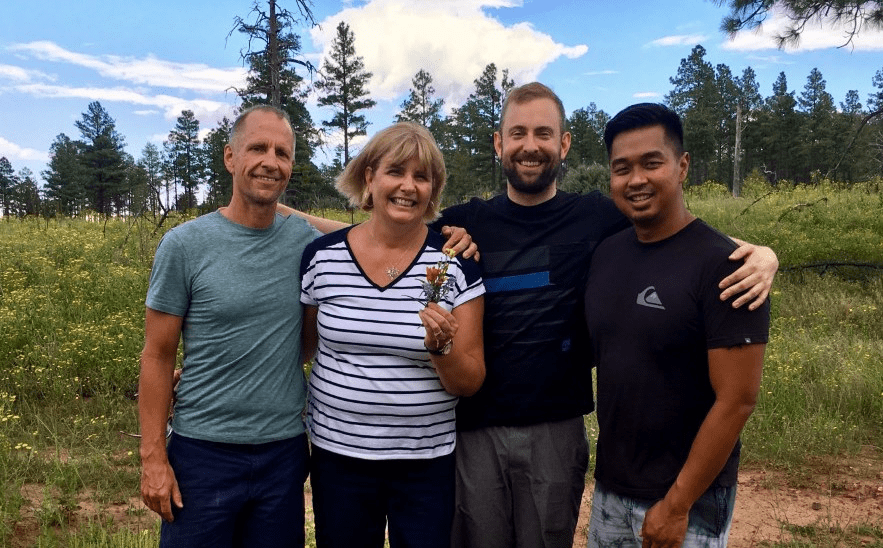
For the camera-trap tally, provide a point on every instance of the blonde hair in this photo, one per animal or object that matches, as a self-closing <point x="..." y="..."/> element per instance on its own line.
<point x="398" y="144"/>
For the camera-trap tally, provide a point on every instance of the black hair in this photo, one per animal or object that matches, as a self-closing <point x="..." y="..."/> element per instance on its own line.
<point x="644" y="115"/>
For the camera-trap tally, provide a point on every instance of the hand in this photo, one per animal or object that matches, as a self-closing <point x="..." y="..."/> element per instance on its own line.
<point x="663" y="527"/>
<point x="755" y="277"/>
<point x="159" y="489"/>
<point x="441" y="326"/>
<point x="461" y="242"/>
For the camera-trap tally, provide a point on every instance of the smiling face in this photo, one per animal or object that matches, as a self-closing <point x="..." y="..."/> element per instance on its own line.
<point x="400" y="191"/>
<point x="259" y="157"/>
<point x="646" y="174"/>
<point x="531" y="146"/>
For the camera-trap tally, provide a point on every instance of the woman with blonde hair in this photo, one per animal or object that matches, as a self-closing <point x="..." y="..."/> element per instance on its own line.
<point x="398" y="327"/>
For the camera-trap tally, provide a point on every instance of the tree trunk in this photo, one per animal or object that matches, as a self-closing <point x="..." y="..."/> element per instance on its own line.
<point x="737" y="154"/>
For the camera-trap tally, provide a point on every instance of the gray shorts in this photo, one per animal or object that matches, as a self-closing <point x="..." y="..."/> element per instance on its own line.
<point x="520" y="486"/>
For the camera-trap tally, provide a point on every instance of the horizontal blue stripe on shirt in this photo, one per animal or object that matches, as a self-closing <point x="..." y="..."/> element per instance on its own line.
<point x="514" y="283"/>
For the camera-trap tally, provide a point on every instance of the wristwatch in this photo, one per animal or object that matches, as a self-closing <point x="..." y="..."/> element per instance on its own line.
<point x="444" y="350"/>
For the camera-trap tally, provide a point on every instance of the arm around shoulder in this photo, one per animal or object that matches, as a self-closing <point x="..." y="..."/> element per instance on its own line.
<point x="323" y="225"/>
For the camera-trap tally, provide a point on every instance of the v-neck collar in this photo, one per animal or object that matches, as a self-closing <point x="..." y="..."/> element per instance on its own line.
<point x="402" y="274"/>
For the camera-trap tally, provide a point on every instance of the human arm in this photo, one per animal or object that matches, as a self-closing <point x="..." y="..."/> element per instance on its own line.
<point x="462" y="370"/>
<point x="735" y="374"/>
<point x="754" y="277"/>
<point x="309" y="333"/>
<point x="159" y="488"/>
<point x="323" y="225"/>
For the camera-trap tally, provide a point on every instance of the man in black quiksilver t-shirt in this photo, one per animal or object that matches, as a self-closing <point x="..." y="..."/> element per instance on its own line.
<point x="678" y="369"/>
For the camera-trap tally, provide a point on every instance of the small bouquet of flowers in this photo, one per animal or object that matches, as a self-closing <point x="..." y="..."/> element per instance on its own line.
<point x="437" y="283"/>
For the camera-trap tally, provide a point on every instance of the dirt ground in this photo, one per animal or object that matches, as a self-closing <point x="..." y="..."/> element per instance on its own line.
<point x="828" y="493"/>
<point x="836" y="493"/>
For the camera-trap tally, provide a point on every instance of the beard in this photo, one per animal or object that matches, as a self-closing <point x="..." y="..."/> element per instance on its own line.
<point x="543" y="181"/>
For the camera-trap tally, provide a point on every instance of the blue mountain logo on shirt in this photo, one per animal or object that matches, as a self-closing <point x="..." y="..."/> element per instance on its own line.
<point x="648" y="297"/>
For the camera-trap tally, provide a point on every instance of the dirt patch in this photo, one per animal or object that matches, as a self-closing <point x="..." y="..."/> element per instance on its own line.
<point x="830" y="493"/>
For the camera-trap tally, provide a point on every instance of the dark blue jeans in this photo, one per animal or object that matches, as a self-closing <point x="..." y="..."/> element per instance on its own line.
<point x="353" y="499"/>
<point x="238" y="495"/>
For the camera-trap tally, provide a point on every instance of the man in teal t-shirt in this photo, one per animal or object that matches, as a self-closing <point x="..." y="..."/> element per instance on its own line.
<point x="229" y="283"/>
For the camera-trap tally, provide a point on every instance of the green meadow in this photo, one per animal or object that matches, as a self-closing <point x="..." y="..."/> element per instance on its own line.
<point x="71" y="320"/>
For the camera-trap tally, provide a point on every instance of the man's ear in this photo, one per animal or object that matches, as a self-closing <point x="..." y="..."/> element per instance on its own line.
<point x="684" y="166"/>
<point x="565" y="144"/>
<point x="228" y="158"/>
<point x="498" y="143"/>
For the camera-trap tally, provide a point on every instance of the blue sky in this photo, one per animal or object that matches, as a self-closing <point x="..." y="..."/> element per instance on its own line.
<point x="146" y="61"/>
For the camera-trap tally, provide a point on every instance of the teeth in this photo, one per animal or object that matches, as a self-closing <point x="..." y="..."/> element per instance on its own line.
<point x="403" y="202"/>
<point x="529" y="164"/>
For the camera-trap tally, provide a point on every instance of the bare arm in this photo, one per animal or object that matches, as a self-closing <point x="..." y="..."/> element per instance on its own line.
<point x="735" y="377"/>
<point x="754" y="278"/>
<point x="309" y="333"/>
<point x="159" y="488"/>
<point x="462" y="370"/>
<point x="323" y="225"/>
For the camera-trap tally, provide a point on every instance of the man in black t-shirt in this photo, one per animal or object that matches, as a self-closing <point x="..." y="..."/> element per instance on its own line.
<point x="678" y="369"/>
<point x="522" y="453"/>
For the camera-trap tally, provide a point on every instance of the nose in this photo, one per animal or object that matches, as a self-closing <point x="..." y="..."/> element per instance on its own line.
<point x="530" y="143"/>
<point x="408" y="182"/>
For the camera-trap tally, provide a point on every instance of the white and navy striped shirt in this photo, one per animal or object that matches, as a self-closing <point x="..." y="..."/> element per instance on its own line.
<point x="373" y="392"/>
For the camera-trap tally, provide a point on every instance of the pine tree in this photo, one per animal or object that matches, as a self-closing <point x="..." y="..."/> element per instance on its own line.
<point x="342" y="83"/>
<point x="695" y="98"/>
<point x="421" y="106"/>
<point x="187" y="154"/>
<point x="64" y="176"/>
<point x="8" y="182"/>
<point x="104" y="168"/>
<point x="818" y="141"/>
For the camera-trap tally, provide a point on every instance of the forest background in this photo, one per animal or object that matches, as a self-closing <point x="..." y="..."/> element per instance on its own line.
<point x="789" y="130"/>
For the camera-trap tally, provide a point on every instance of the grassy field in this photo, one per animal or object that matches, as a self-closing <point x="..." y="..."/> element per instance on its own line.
<point x="71" y="319"/>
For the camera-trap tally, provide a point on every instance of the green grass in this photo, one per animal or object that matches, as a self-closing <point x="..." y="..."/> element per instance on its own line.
<point x="71" y="318"/>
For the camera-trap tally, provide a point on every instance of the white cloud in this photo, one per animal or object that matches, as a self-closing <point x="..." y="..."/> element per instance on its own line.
<point x="146" y="70"/>
<point x="818" y="34"/>
<point x="205" y="110"/>
<point x="600" y="72"/>
<point x="18" y="74"/>
<point x="13" y="151"/>
<point x="679" y="40"/>
<point x="453" y="40"/>
<point x="646" y="95"/>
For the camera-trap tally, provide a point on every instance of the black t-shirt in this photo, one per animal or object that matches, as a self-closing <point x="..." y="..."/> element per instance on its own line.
<point x="534" y="263"/>
<point x="653" y="312"/>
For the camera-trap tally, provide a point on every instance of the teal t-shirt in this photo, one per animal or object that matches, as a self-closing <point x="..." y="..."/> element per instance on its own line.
<point x="238" y="290"/>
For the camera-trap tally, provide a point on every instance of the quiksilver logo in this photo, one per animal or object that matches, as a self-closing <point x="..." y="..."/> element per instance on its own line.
<point x="648" y="297"/>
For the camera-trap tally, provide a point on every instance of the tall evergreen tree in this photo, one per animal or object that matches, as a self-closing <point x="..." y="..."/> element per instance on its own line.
<point x="104" y="168"/>
<point x="27" y="194"/>
<point x="586" y="125"/>
<point x="218" y="180"/>
<point x="421" y="106"/>
<point x="778" y="125"/>
<point x="695" y="98"/>
<point x="818" y="153"/>
<point x="8" y="182"/>
<point x="748" y="103"/>
<point x="273" y="58"/>
<point x="64" y="176"/>
<point x="187" y="154"/>
<point x="342" y="85"/>
<point x="476" y="165"/>
<point x="151" y="163"/>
